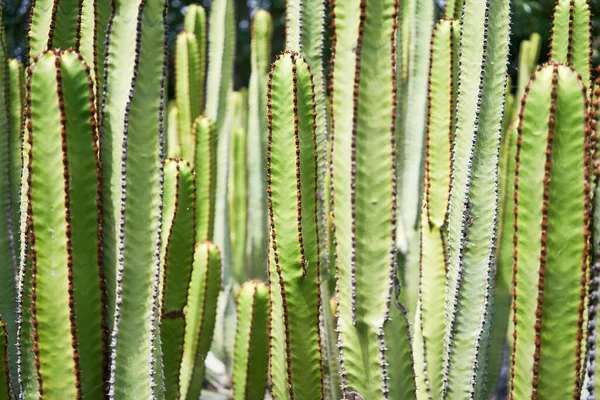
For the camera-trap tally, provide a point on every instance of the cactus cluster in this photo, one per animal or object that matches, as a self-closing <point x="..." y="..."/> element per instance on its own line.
<point x="390" y="222"/>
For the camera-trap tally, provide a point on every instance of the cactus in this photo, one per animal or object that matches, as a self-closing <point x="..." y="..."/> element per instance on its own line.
<point x="294" y="275"/>
<point x="11" y="101"/>
<point x="552" y="149"/>
<point x="63" y="217"/>
<point x="195" y="23"/>
<point x="262" y="32"/>
<point x="188" y="87"/>
<point x="5" y="390"/>
<point x="176" y="265"/>
<point x="363" y="81"/>
<point x="429" y="331"/>
<point x="239" y="204"/>
<point x="173" y="145"/>
<point x="472" y="219"/>
<point x="200" y="314"/>
<point x="132" y="118"/>
<point x="221" y="50"/>
<point x="571" y="36"/>
<point x="251" y="342"/>
<point x="205" y="164"/>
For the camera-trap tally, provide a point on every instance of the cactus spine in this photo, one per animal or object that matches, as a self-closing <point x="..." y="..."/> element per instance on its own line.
<point x="296" y="359"/>
<point x="552" y="155"/>
<point x="251" y="342"/>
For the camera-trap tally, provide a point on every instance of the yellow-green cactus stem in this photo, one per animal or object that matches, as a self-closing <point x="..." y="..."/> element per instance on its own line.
<point x="552" y="192"/>
<point x="205" y="164"/>
<point x="64" y="227"/>
<point x="251" y="342"/>
<point x="200" y="314"/>
<point x="195" y="23"/>
<point x="176" y="266"/>
<point x="294" y="276"/>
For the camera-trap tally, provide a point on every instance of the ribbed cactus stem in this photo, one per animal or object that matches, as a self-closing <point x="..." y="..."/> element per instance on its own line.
<point x="363" y="167"/>
<point x="570" y="42"/>
<point x="205" y="164"/>
<point x="429" y="331"/>
<point x="552" y="191"/>
<point x="11" y="101"/>
<point x="251" y="342"/>
<point x="133" y="113"/>
<point x="195" y="23"/>
<point x="173" y="144"/>
<point x="187" y="88"/>
<point x="295" y="342"/>
<point x="262" y="32"/>
<point x="239" y="205"/>
<point x="176" y="265"/>
<point x="219" y="83"/>
<point x="473" y="209"/>
<point x="64" y="225"/>
<point x="54" y="24"/>
<point x="200" y="315"/>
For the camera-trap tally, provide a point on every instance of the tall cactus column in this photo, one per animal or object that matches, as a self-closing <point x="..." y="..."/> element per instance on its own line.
<point x="64" y="225"/>
<point x="131" y="151"/>
<point x="473" y="209"/>
<point x="364" y="201"/>
<point x="552" y="183"/>
<point x="295" y="343"/>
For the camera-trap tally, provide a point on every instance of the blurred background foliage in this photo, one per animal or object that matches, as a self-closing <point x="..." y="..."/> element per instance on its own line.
<point x="528" y="16"/>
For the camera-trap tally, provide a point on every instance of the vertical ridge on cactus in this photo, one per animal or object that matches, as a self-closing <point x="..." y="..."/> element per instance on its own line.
<point x="571" y="36"/>
<point x="200" y="315"/>
<point x="473" y="210"/>
<point x="239" y="204"/>
<point x="66" y="278"/>
<point x="5" y="389"/>
<point x="430" y="327"/>
<point x="262" y="32"/>
<point x="251" y="342"/>
<point x="133" y="115"/>
<point x="176" y="265"/>
<point x="552" y="149"/>
<point x="294" y="272"/>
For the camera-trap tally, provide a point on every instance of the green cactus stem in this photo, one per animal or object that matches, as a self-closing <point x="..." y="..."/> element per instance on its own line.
<point x="133" y="112"/>
<point x="200" y="315"/>
<point x="239" y="204"/>
<point x="187" y="87"/>
<point x="221" y="51"/>
<point x="195" y="23"/>
<point x="473" y="209"/>
<point x="64" y="226"/>
<point x="295" y="343"/>
<point x="173" y="145"/>
<point x="552" y="182"/>
<point x="251" y="342"/>
<point x="439" y="126"/>
<point x="205" y="163"/>
<point x="372" y="327"/>
<point x="176" y="266"/>
<point x="570" y="42"/>
<point x="11" y="102"/>
<point x="262" y="32"/>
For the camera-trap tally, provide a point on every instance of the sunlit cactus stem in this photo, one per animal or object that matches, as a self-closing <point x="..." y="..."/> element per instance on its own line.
<point x="176" y="266"/>
<point x="251" y="342"/>
<point x="294" y="276"/>
<point x="552" y="191"/>
<point x="64" y="225"/>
